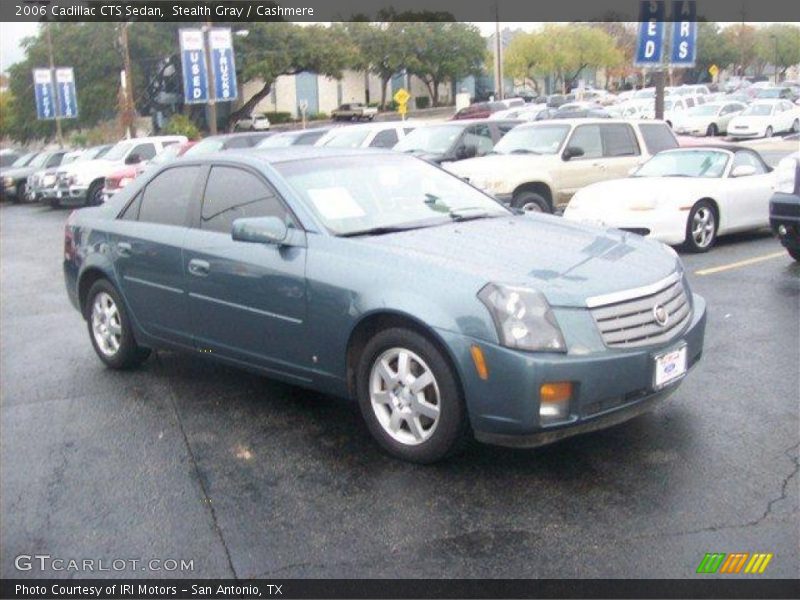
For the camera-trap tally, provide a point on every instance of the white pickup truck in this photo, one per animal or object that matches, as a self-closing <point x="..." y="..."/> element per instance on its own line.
<point x="354" y="112"/>
<point x="83" y="180"/>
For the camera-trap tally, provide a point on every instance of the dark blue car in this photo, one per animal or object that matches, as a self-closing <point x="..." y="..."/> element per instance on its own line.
<point x="380" y="277"/>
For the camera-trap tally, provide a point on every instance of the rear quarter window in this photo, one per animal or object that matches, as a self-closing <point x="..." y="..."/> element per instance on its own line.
<point x="167" y="197"/>
<point x="657" y="137"/>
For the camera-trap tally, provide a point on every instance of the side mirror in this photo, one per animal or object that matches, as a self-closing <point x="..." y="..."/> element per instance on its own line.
<point x="743" y="171"/>
<point x="133" y="159"/>
<point x="572" y="152"/>
<point x="260" y="230"/>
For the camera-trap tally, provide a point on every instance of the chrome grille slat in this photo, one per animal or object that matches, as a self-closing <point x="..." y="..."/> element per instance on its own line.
<point x="631" y="323"/>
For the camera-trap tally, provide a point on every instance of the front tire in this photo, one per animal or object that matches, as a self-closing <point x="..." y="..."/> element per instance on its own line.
<point x="712" y="130"/>
<point x="701" y="227"/>
<point x="796" y="126"/>
<point x="94" y="194"/>
<point x="794" y="253"/>
<point x="530" y="202"/>
<point x="110" y="328"/>
<point x="410" y="397"/>
<point x="768" y="132"/>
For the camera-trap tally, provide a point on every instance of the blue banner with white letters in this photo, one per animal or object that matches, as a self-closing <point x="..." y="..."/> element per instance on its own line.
<point x="44" y="94"/>
<point x="67" y="93"/>
<point x="223" y="66"/>
<point x="684" y="33"/>
<point x="650" y="41"/>
<point x="195" y="71"/>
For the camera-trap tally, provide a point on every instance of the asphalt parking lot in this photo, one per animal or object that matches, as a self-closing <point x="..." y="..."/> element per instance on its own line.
<point x="185" y="459"/>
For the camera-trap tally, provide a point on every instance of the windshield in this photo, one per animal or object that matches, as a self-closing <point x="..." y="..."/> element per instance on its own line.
<point x="119" y="151"/>
<point x="540" y="139"/>
<point x="39" y="160"/>
<point x="769" y="93"/>
<point x="707" y="110"/>
<point x="207" y="146"/>
<point x="757" y="110"/>
<point x="433" y="140"/>
<point x="347" y="138"/>
<point x="277" y="141"/>
<point x="384" y="192"/>
<point x="24" y="159"/>
<point x="685" y="163"/>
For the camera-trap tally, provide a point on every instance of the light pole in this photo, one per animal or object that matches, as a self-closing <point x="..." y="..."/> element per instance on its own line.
<point x="59" y="134"/>
<point x="775" y="64"/>
<point x="212" y="93"/>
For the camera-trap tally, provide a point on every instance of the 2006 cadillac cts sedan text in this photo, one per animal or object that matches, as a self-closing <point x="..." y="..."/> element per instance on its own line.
<point x="381" y="277"/>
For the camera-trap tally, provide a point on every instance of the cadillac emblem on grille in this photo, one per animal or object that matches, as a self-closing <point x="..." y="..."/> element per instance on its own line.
<point x="661" y="315"/>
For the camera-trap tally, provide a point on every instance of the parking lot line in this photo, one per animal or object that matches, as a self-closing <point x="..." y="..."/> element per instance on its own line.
<point x="741" y="263"/>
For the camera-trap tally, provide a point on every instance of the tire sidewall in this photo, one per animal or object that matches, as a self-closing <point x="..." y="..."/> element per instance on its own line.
<point x="92" y="192"/>
<point x="452" y="427"/>
<point x="129" y="353"/>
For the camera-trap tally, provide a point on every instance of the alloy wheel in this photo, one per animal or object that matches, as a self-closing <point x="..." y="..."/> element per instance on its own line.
<point x="404" y="396"/>
<point x="703" y="227"/>
<point x="106" y="324"/>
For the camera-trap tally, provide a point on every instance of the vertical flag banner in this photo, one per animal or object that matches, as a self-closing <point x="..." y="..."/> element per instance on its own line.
<point x="684" y="33"/>
<point x="67" y="98"/>
<point x="44" y="93"/>
<point x="650" y="41"/>
<point x="223" y="67"/>
<point x="193" y="61"/>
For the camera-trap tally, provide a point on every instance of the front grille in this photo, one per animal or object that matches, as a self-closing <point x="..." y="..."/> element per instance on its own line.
<point x="631" y="323"/>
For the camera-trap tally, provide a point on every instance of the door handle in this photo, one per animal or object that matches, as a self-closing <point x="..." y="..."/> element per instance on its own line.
<point x="124" y="249"/>
<point x="199" y="268"/>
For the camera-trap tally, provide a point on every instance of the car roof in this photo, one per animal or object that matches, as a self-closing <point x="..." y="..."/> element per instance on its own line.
<point x="714" y="146"/>
<point x="290" y="153"/>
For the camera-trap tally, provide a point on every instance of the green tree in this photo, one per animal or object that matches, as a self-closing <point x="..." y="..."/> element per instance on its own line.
<point x="444" y="51"/>
<point x="713" y="48"/>
<point x="274" y="49"/>
<point x="8" y="114"/>
<point x="779" y="45"/>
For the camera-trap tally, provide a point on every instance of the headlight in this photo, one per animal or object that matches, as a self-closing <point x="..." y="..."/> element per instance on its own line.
<point x="124" y="181"/>
<point x="523" y="318"/>
<point x="48" y="180"/>
<point x="785" y="176"/>
<point x="8" y="181"/>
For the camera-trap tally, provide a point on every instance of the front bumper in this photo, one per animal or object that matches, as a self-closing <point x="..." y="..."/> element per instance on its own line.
<point x="72" y="192"/>
<point x="746" y="133"/>
<point x="611" y="385"/>
<point x="784" y="219"/>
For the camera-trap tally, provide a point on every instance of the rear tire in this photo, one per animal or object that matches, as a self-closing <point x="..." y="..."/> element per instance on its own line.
<point x="701" y="227"/>
<point x="110" y="328"/>
<point x="796" y="126"/>
<point x="712" y="130"/>
<point x="531" y="202"/>
<point x="19" y="198"/>
<point x="418" y="424"/>
<point x="768" y="132"/>
<point x="794" y="253"/>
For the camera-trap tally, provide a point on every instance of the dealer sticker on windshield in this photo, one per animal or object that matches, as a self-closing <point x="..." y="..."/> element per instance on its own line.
<point x="670" y="366"/>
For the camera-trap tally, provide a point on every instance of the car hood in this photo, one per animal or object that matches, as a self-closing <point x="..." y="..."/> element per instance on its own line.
<point x="488" y="167"/>
<point x="19" y="172"/>
<point x="95" y="166"/>
<point x="568" y="262"/>
<point x="616" y="192"/>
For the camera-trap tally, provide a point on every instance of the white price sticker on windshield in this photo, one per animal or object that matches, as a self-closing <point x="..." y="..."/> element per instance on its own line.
<point x="335" y="203"/>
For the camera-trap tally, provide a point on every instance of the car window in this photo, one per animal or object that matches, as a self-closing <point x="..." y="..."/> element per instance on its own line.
<point x="308" y="139"/>
<point x="479" y="136"/>
<point x="384" y="139"/>
<point x="167" y="197"/>
<point x="239" y="141"/>
<point x="744" y="157"/>
<point x="233" y="193"/>
<point x="619" y="140"/>
<point x="144" y="151"/>
<point x="657" y="137"/>
<point x="587" y="138"/>
<point x="504" y="128"/>
<point x="55" y="159"/>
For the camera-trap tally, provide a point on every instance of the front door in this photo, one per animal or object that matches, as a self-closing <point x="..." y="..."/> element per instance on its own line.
<point x="247" y="300"/>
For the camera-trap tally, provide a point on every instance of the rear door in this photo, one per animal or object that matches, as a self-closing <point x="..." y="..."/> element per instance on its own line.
<point x="621" y="150"/>
<point x="148" y="253"/>
<point x="247" y="301"/>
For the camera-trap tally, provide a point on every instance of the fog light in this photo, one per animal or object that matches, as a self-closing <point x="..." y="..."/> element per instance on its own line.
<point x="781" y="230"/>
<point x="554" y="401"/>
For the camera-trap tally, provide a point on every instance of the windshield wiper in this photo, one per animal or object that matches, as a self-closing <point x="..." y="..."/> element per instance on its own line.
<point x="524" y="151"/>
<point x="468" y="214"/>
<point x="380" y="230"/>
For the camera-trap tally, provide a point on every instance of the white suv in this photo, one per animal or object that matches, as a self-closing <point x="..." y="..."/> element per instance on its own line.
<point x="83" y="180"/>
<point x="539" y="166"/>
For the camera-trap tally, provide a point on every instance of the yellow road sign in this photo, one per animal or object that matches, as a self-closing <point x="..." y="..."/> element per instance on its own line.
<point x="401" y="96"/>
<point x="713" y="70"/>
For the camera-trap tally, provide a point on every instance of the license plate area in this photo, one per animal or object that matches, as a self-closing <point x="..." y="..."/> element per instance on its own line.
<point x="669" y="367"/>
